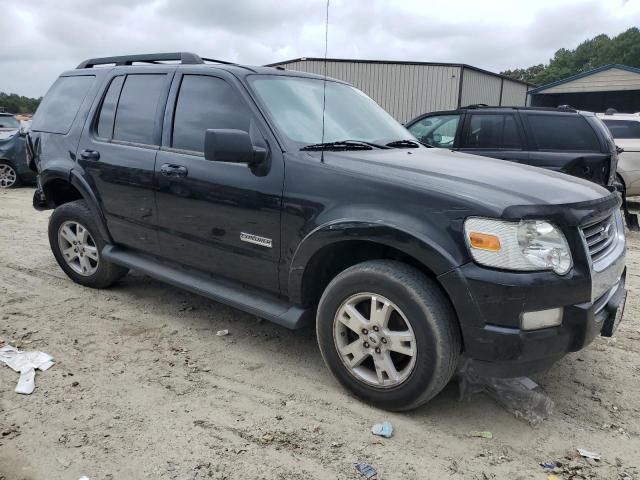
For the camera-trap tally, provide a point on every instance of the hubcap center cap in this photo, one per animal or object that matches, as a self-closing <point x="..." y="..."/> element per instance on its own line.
<point x="374" y="339"/>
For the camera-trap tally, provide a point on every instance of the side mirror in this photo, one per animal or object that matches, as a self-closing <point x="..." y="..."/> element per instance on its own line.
<point x="232" y="146"/>
<point x="619" y="150"/>
<point x="23" y="130"/>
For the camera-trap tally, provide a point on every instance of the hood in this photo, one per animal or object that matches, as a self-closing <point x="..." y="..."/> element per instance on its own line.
<point x="498" y="183"/>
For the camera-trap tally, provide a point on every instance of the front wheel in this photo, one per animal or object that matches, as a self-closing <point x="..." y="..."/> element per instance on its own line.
<point x="8" y="175"/>
<point x="388" y="334"/>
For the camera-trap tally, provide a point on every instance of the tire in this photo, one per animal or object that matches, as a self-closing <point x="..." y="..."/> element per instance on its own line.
<point x="9" y="177"/>
<point x="424" y="312"/>
<point x="65" y="224"/>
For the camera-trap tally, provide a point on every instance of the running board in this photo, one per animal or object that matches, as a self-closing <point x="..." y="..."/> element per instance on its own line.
<point x="221" y="290"/>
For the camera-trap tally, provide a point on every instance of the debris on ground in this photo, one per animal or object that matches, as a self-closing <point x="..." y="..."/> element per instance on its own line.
<point x="587" y="454"/>
<point x="488" y="435"/>
<point x="25" y="363"/>
<point x="519" y="395"/>
<point x="550" y="465"/>
<point x="384" y="429"/>
<point x="366" y="470"/>
<point x="222" y="333"/>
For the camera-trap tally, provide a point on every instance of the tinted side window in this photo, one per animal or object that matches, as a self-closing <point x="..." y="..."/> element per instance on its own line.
<point x="439" y="131"/>
<point x="563" y="132"/>
<point x="136" y="113"/>
<point x="623" y="128"/>
<point x="60" y="105"/>
<point x="492" y="131"/>
<point x="108" y="109"/>
<point x="205" y="103"/>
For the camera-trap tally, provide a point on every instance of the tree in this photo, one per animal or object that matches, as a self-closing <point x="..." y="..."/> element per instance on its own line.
<point x="593" y="53"/>
<point x="14" y="103"/>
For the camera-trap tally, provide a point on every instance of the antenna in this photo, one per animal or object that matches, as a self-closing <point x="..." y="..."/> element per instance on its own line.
<point x="324" y="83"/>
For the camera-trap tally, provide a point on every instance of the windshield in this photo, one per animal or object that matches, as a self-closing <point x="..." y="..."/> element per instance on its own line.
<point x="295" y="105"/>
<point x="8" y="122"/>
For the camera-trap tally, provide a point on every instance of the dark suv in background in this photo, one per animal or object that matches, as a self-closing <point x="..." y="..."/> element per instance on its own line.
<point x="560" y="139"/>
<point x="298" y="199"/>
<point x="13" y="161"/>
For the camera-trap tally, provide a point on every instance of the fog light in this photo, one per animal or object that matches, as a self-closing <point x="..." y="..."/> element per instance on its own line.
<point x="541" y="319"/>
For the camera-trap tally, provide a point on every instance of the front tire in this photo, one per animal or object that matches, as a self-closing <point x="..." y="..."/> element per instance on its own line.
<point x="77" y="246"/>
<point x="388" y="334"/>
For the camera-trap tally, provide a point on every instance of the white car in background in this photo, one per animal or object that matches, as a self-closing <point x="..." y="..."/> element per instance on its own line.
<point x="625" y="129"/>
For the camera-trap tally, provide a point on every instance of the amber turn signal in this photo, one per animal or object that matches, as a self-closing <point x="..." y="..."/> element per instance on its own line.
<point x="484" y="241"/>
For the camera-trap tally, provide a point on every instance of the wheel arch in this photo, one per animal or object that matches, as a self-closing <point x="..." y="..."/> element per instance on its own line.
<point x="60" y="187"/>
<point x="332" y="248"/>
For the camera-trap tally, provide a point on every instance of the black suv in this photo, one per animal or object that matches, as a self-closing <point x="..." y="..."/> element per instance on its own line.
<point x="561" y="139"/>
<point x="296" y="197"/>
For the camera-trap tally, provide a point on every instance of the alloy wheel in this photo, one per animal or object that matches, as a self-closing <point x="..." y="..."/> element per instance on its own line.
<point x="375" y="340"/>
<point x="78" y="248"/>
<point x="8" y="176"/>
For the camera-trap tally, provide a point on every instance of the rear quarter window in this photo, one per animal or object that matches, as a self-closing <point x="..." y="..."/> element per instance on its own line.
<point x="563" y="132"/>
<point x="61" y="104"/>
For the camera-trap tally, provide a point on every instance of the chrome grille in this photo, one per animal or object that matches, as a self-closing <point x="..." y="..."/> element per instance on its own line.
<point x="600" y="237"/>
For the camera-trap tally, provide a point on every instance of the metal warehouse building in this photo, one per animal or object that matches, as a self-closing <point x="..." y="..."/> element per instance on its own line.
<point x="407" y="89"/>
<point x="609" y="86"/>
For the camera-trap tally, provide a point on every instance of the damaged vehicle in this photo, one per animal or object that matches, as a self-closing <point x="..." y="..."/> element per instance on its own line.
<point x="297" y="198"/>
<point x="13" y="161"/>
<point x="560" y="139"/>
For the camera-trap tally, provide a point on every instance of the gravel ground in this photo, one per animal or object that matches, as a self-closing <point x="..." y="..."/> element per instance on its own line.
<point x="143" y="388"/>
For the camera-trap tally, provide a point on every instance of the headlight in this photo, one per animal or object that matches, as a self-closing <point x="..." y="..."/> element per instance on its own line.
<point x="524" y="245"/>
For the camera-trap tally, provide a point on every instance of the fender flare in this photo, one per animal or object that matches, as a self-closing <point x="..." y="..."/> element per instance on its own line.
<point x="81" y="185"/>
<point x="424" y="250"/>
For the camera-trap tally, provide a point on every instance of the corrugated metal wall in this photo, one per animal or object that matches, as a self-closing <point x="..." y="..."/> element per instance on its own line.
<point x="613" y="79"/>
<point x="403" y="90"/>
<point x="478" y="87"/>
<point x="514" y="94"/>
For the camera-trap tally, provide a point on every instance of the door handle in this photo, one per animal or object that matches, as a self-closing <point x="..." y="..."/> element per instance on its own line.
<point x="90" y="155"/>
<point x="169" y="170"/>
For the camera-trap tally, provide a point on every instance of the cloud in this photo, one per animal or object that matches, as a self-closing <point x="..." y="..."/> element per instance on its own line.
<point x="41" y="38"/>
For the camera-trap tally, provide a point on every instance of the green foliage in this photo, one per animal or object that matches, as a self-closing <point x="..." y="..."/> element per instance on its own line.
<point x="13" y="103"/>
<point x="590" y="54"/>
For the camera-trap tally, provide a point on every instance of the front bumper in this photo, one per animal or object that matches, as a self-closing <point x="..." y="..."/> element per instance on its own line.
<point x="489" y="304"/>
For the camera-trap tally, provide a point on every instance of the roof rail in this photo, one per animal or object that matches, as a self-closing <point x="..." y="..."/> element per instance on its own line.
<point x="477" y="105"/>
<point x="567" y="107"/>
<point x="185" y="58"/>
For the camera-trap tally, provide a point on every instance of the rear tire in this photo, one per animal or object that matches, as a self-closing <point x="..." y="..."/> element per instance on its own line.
<point x="416" y="311"/>
<point x="9" y="177"/>
<point x="77" y="245"/>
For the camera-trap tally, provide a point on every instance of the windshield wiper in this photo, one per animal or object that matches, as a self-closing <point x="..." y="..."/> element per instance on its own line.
<point x="343" y="145"/>
<point x="403" y="144"/>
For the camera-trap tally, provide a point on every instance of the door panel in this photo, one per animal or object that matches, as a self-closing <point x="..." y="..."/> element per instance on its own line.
<point x="121" y="172"/>
<point x="210" y="213"/>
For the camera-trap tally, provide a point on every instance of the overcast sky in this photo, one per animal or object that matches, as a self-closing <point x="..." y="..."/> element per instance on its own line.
<point x="41" y="38"/>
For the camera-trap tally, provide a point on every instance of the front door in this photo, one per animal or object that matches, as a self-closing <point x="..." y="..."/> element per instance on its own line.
<point x="221" y="218"/>
<point x="118" y="153"/>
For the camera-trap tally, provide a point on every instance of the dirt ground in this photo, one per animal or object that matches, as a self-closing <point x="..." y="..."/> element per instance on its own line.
<point x="144" y="389"/>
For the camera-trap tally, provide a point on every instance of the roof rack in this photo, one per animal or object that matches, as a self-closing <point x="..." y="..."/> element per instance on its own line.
<point x="477" y="105"/>
<point x="185" y="58"/>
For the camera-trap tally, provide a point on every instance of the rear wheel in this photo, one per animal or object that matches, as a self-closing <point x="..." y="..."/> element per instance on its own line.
<point x="8" y="175"/>
<point x="388" y="334"/>
<point x="77" y="245"/>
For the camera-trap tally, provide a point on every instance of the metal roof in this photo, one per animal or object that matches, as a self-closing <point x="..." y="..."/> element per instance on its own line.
<point x="584" y="74"/>
<point x="398" y="62"/>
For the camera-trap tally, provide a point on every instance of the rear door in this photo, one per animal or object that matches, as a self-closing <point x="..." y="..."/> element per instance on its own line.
<point x="566" y="142"/>
<point x="222" y="218"/>
<point x="494" y="134"/>
<point x="118" y="152"/>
